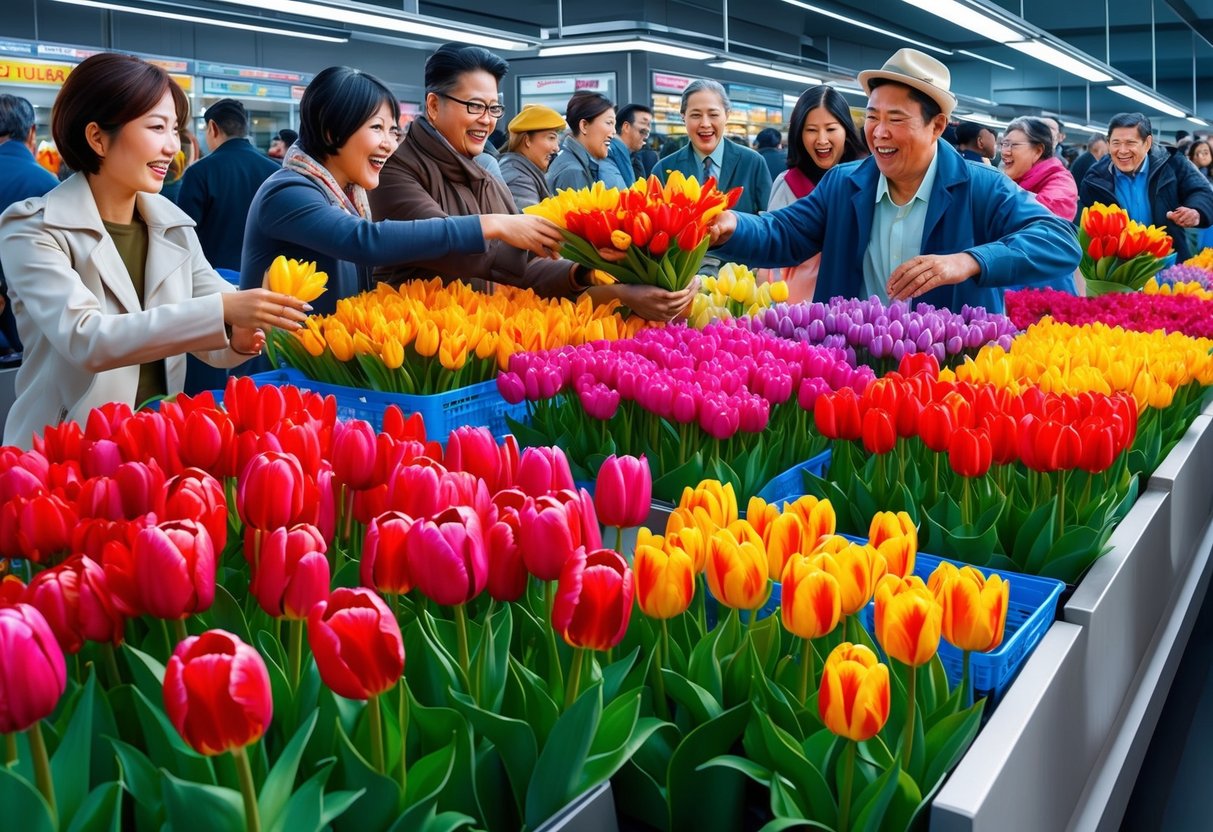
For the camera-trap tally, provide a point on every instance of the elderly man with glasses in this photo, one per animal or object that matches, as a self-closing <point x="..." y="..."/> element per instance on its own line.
<point x="1154" y="187"/>
<point x="913" y="220"/>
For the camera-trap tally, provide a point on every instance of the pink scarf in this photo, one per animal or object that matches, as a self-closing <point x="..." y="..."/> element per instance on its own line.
<point x="352" y="200"/>
<point x="1039" y="173"/>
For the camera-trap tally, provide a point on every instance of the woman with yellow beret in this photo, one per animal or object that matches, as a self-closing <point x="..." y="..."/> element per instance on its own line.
<point x="534" y="142"/>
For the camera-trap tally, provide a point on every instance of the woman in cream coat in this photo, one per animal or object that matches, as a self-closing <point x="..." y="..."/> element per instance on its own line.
<point x="108" y="282"/>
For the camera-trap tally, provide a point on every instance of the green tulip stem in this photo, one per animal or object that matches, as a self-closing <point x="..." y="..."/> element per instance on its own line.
<point x="935" y="477"/>
<point x="908" y="737"/>
<point x="168" y="640"/>
<point x="295" y="650"/>
<point x="966" y="679"/>
<point x="403" y="716"/>
<point x="666" y="655"/>
<point x="1061" y="504"/>
<point x="248" y="790"/>
<point x="966" y="501"/>
<point x="10" y="750"/>
<point x="113" y="675"/>
<point x="375" y="714"/>
<point x="555" y="672"/>
<point x="806" y="669"/>
<point x="486" y="647"/>
<point x="848" y="780"/>
<point x="42" y="769"/>
<point x="465" y="662"/>
<point x="570" y="694"/>
<point x="180" y="634"/>
<point x="619" y="539"/>
<point x="659" y="701"/>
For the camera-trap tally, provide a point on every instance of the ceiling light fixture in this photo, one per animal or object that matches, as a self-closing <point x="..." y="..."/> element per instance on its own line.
<point x="969" y="54"/>
<point x="1200" y="122"/>
<point x="967" y="17"/>
<point x="1143" y="97"/>
<point x="767" y="71"/>
<point x="853" y="22"/>
<point x="207" y="21"/>
<point x="1050" y="54"/>
<point x="986" y="119"/>
<point x="379" y="19"/>
<point x="635" y="45"/>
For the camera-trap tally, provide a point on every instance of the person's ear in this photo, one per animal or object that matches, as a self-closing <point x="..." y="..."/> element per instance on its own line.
<point x="431" y="105"/>
<point x="32" y="137"/>
<point x="97" y="139"/>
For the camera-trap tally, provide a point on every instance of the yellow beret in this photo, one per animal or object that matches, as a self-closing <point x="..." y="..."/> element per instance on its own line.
<point x="536" y="117"/>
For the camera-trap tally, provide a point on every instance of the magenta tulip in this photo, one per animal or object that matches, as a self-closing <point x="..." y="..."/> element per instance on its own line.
<point x="623" y="494"/>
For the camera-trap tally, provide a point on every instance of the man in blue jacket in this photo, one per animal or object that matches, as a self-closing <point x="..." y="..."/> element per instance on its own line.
<point x="20" y="178"/>
<point x="914" y="220"/>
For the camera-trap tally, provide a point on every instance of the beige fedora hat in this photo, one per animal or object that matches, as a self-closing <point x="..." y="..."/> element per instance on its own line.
<point x="917" y="70"/>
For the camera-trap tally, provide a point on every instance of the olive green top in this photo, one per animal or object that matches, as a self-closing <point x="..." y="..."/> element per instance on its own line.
<point x="131" y="242"/>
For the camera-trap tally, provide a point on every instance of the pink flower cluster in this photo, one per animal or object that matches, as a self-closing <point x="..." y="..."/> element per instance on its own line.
<point x="1130" y="310"/>
<point x="724" y="378"/>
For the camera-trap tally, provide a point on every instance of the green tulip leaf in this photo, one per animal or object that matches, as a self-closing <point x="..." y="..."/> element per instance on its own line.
<point x="699" y="703"/>
<point x="614" y="674"/>
<point x="280" y="782"/>
<point x="24" y="807"/>
<point x="302" y="812"/>
<point x="704" y="668"/>
<point x="431" y="672"/>
<point x="822" y="747"/>
<point x="541" y="711"/>
<point x="438" y="728"/>
<point x="670" y="484"/>
<point x="191" y="807"/>
<point x="70" y="762"/>
<point x="620" y="735"/>
<point x="563" y="757"/>
<point x="380" y="796"/>
<point x="712" y="799"/>
<point x="789" y="762"/>
<point x="148" y="672"/>
<point x="780" y="824"/>
<point x="428" y="777"/>
<point x="638" y="795"/>
<point x="889" y="804"/>
<point x="947" y="742"/>
<point x="433" y="821"/>
<point x="1034" y="536"/>
<point x="514" y="740"/>
<point x="226" y="614"/>
<point x="165" y="747"/>
<point x="748" y="767"/>
<point x="784" y="802"/>
<point x="101" y="811"/>
<point x="140" y="776"/>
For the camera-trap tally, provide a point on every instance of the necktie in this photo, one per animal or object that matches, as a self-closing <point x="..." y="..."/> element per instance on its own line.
<point x="707" y="168"/>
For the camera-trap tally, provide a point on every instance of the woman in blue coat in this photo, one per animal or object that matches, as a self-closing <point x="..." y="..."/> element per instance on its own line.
<point x="705" y="110"/>
<point x="316" y="208"/>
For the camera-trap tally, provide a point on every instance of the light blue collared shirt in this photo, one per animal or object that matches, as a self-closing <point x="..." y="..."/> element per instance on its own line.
<point x="717" y="157"/>
<point x="1133" y="193"/>
<point x="896" y="232"/>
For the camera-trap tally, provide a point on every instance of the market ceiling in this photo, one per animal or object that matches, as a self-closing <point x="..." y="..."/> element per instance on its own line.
<point x="1006" y="57"/>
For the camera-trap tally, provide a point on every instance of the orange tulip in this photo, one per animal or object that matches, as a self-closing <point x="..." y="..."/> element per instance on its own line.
<point x="785" y="538"/>
<point x="854" y="697"/>
<point x="719" y="501"/>
<point x="737" y="567"/>
<point x="858" y="568"/>
<point x="811" y="601"/>
<point x="696" y="523"/>
<point x="896" y="538"/>
<point x="665" y="576"/>
<point x="908" y="620"/>
<point x="760" y="514"/>
<point x="974" y="606"/>
<point x="817" y="517"/>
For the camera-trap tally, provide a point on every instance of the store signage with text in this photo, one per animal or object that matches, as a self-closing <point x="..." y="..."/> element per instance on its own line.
<point x="33" y="72"/>
<point x="664" y="82"/>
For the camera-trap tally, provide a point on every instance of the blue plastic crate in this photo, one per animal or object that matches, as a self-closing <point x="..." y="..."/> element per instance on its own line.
<point x="230" y="275"/>
<point x="789" y="485"/>
<point x="478" y="405"/>
<point x="1031" y="610"/>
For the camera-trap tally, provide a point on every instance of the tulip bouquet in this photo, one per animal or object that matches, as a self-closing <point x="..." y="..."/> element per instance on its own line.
<point x="1032" y="482"/>
<point x="1167" y="311"/>
<point x="1119" y="254"/>
<point x="880" y="336"/>
<point x="800" y="692"/>
<point x="427" y="337"/>
<point x="658" y="231"/>
<point x="722" y="402"/>
<point x="734" y="291"/>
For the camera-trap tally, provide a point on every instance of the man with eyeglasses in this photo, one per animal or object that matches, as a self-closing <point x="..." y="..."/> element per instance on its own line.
<point x="632" y="126"/>
<point x="1155" y="188"/>
<point x="913" y="220"/>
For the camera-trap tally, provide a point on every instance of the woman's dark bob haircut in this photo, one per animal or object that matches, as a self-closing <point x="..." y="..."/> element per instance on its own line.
<point x="111" y="90"/>
<point x="585" y="106"/>
<point x="338" y="102"/>
<point x="830" y="98"/>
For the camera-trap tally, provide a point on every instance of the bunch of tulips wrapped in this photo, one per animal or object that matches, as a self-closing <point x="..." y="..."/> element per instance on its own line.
<point x="657" y="232"/>
<point x="1168" y="311"/>
<point x="1119" y="254"/>
<point x="426" y="337"/>
<point x="1033" y="482"/>
<point x="733" y="292"/>
<point x="880" y="336"/>
<point x="722" y="402"/>
<point x="803" y="690"/>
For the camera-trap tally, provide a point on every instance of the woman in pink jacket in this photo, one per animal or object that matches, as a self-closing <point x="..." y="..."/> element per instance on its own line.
<point x="1027" y="157"/>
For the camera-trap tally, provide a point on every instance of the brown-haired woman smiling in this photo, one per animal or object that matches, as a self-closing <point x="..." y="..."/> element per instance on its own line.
<point x="107" y="279"/>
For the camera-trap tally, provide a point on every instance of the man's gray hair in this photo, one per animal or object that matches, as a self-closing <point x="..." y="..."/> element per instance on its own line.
<point x="16" y="117"/>
<point x="699" y="85"/>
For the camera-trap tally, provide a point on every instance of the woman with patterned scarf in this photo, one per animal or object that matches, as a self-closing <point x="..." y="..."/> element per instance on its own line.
<point x="316" y="208"/>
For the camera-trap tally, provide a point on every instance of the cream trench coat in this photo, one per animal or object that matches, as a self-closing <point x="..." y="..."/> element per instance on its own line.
<point x="84" y="330"/>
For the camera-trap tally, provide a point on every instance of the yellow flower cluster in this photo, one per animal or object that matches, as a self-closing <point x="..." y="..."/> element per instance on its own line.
<point x="427" y="337"/>
<point x="733" y="292"/>
<point x="1064" y="358"/>
<point x="1203" y="260"/>
<point x="1192" y="288"/>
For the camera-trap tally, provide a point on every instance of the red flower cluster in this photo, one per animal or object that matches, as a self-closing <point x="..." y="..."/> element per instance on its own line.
<point x="979" y="425"/>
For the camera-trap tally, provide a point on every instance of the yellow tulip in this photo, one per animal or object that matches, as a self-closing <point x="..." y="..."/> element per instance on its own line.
<point x="719" y="501"/>
<point x="428" y="338"/>
<point x="817" y="517"/>
<point x="311" y="342"/>
<point x="895" y="537"/>
<point x="857" y="567"/>
<point x="908" y="620"/>
<point x="855" y="694"/>
<point x="665" y="576"/>
<point x="299" y="280"/>
<point x="391" y="353"/>
<point x="785" y="538"/>
<point x="737" y="567"/>
<point x="810" y="600"/>
<point x="974" y="606"/>
<point x="779" y="291"/>
<point x="760" y="514"/>
<point x="340" y="343"/>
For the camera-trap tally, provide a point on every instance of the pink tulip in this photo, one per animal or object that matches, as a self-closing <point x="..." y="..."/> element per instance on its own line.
<point x="623" y="493"/>
<point x="292" y="575"/>
<point x="174" y="569"/>
<point x="447" y="558"/>
<point x="33" y="674"/>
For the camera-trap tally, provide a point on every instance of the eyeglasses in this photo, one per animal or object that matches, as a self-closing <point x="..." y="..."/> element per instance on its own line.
<point x="476" y="108"/>
<point x="1005" y="145"/>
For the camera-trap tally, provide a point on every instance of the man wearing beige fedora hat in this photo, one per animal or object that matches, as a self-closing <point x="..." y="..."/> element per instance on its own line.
<point x="913" y="220"/>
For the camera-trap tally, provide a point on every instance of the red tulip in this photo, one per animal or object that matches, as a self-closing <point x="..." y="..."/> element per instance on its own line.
<point x="475" y="450"/>
<point x="292" y="575"/>
<point x="90" y="536"/>
<point x="507" y="570"/>
<point x="12" y="590"/>
<point x="1046" y="445"/>
<point x="970" y="454"/>
<point x="919" y="363"/>
<point x="1004" y="438"/>
<point x="594" y="599"/>
<point x="101" y="620"/>
<point x="302" y="442"/>
<point x="196" y="495"/>
<point x="447" y="558"/>
<point x="61" y="442"/>
<point x="935" y="427"/>
<point x="542" y="471"/>
<point x="174" y="569"/>
<point x="413" y="490"/>
<point x="549" y="532"/>
<point x="20" y="482"/>
<point x="1098" y="446"/>
<point x="56" y="594"/>
<point x="217" y="692"/>
<point x="356" y="642"/>
<point x="401" y="429"/>
<point x="384" y="563"/>
<point x="33" y="674"/>
<point x="879" y="431"/>
<point x="100" y="458"/>
<point x="103" y="422"/>
<point x="151" y="437"/>
<point x="353" y="454"/>
<point x="207" y="442"/>
<point x="271" y="491"/>
<point x="37" y="529"/>
<point x="623" y="494"/>
<point x="253" y="408"/>
<point x="837" y="415"/>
